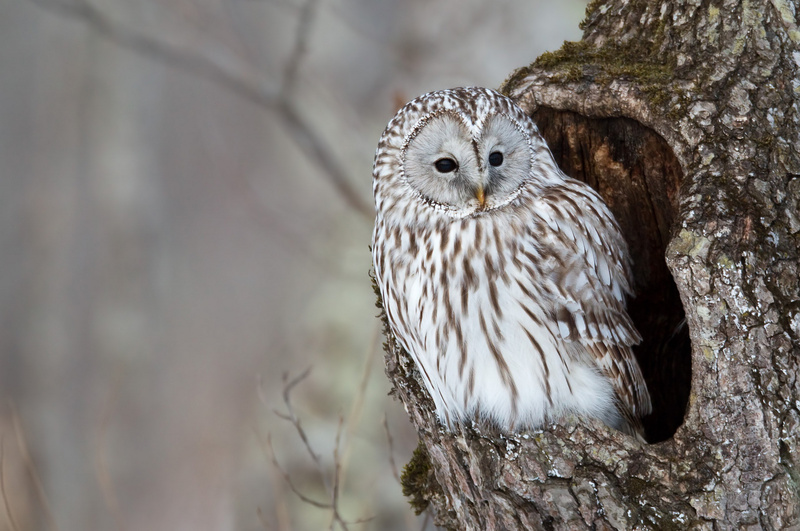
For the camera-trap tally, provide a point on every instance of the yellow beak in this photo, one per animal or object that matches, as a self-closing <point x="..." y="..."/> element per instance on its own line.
<point x="481" y="197"/>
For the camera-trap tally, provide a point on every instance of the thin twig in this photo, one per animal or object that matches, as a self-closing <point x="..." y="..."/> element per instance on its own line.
<point x="285" y="234"/>
<point x="284" y="416"/>
<point x="278" y="3"/>
<point x="184" y="58"/>
<point x="332" y="488"/>
<point x="358" y="401"/>
<point x="12" y="523"/>
<point x="239" y="81"/>
<point x="337" y="484"/>
<point x="397" y="54"/>
<point x="262" y="519"/>
<point x="290" y="416"/>
<point x="333" y="506"/>
<point x="280" y="503"/>
<point x="301" y="37"/>
<point x="288" y="479"/>
<point x="289" y="385"/>
<point x="29" y="465"/>
<point x="390" y="440"/>
<point x="337" y="467"/>
<point x="314" y="148"/>
<point x="101" y="465"/>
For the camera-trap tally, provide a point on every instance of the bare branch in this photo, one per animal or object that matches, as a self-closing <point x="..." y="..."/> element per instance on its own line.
<point x="31" y="467"/>
<point x="288" y="479"/>
<point x="222" y="71"/>
<point x="354" y="415"/>
<point x="319" y="153"/>
<point x="280" y="503"/>
<point x="289" y="385"/>
<point x="262" y="519"/>
<point x="333" y="487"/>
<point x="291" y="417"/>
<point x="100" y="462"/>
<point x="9" y="515"/>
<point x="337" y="468"/>
<point x="390" y="440"/>
<point x="333" y="506"/>
<point x="302" y="34"/>
<point x="285" y="4"/>
<point x="235" y="76"/>
<point x="285" y="234"/>
<point x="284" y="416"/>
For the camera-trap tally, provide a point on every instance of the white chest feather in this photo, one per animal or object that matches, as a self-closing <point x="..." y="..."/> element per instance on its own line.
<point x="471" y="312"/>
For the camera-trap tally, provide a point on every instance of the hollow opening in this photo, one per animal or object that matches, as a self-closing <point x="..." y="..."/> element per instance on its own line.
<point x="638" y="175"/>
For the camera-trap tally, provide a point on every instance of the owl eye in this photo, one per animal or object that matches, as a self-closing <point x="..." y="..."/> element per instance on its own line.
<point x="496" y="159"/>
<point x="445" y="165"/>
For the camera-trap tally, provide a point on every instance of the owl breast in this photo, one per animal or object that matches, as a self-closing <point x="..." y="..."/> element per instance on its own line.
<point x="472" y="313"/>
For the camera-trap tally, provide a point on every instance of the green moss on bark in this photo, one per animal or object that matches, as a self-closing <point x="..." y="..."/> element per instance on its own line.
<point x="637" y="61"/>
<point x="416" y="479"/>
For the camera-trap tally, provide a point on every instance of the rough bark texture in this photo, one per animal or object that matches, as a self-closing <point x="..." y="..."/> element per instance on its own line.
<point x="686" y="116"/>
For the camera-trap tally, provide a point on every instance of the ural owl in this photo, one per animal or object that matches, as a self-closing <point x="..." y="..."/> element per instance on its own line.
<point x="503" y="279"/>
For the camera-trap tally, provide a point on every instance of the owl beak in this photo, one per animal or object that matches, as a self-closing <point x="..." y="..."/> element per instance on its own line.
<point x="481" y="196"/>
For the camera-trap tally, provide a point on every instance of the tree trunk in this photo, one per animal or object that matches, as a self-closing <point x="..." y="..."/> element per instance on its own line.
<point x="685" y="115"/>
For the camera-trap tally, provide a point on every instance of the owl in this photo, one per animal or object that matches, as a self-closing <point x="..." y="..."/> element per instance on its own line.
<point x="502" y="278"/>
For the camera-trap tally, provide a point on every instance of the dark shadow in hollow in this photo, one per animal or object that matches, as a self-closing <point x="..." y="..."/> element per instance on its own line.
<point x="638" y="175"/>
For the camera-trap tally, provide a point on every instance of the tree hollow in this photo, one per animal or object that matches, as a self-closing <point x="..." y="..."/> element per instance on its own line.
<point x="639" y="176"/>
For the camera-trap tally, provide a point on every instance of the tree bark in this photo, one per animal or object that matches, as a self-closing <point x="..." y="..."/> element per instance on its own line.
<point x="685" y="115"/>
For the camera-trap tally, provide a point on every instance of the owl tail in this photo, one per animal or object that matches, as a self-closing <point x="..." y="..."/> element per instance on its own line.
<point x="630" y="423"/>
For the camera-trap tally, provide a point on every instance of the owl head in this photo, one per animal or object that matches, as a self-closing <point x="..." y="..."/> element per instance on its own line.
<point x="459" y="152"/>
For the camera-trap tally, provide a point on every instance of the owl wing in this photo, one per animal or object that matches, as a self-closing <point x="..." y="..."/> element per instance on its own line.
<point x="586" y="275"/>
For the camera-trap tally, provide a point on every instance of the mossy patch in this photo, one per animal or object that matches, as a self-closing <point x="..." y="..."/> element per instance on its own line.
<point x="416" y="478"/>
<point x="640" y="62"/>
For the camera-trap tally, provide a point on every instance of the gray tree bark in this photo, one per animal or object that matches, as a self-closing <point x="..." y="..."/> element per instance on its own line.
<point x="686" y="117"/>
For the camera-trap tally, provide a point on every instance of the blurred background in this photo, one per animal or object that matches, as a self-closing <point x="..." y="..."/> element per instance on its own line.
<point x="185" y="215"/>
